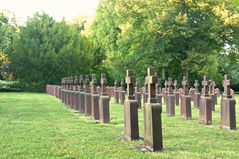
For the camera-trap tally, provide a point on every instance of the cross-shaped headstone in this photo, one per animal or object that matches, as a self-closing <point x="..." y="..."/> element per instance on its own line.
<point x="196" y="85"/>
<point x="151" y="81"/>
<point x="130" y="80"/>
<point x="226" y="85"/>
<point x="103" y="82"/>
<point x="205" y="84"/>
<point x="94" y="84"/>
<point x="185" y="84"/>
<point x="175" y="85"/>
<point x="170" y="85"/>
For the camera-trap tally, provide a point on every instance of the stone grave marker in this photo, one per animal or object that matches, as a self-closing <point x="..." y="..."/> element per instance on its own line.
<point x="87" y="96"/>
<point x="122" y="96"/>
<point x="104" y="101"/>
<point x="196" y="94"/>
<point x="176" y="93"/>
<point x="131" y="109"/>
<point x="205" y="109"/>
<point x="185" y="100"/>
<point x="94" y="99"/>
<point x="76" y="103"/>
<point x="165" y="91"/>
<point x="170" y="99"/>
<point x="153" y="139"/>
<point x="212" y="94"/>
<point x="82" y="94"/>
<point x="228" y="107"/>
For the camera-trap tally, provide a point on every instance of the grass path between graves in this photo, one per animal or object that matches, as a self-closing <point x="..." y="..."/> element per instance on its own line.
<point x="35" y="125"/>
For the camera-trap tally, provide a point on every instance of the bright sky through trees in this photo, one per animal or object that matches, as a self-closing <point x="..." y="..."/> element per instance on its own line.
<point x="55" y="8"/>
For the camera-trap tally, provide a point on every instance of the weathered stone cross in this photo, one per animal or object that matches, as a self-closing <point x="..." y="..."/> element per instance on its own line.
<point x="185" y="85"/>
<point x="130" y="80"/>
<point x="226" y="85"/>
<point x="205" y="84"/>
<point x="94" y="84"/>
<point x="103" y="84"/>
<point x="196" y="85"/>
<point x="170" y="85"/>
<point x="151" y="81"/>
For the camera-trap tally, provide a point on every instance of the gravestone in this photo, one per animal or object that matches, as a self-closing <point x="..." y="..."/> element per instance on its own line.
<point x="131" y="109"/>
<point x="116" y="92"/>
<point x="176" y="93"/>
<point x="145" y="92"/>
<point x="196" y="94"/>
<point x="138" y="94"/>
<point x="87" y="96"/>
<point x="104" y="101"/>
<point x="205" y="109"/>
<point x="94" y="99"/>
<point x="122" y="96"/>
<point x="185" y="100"/>
<point x="82" y="94"/>
<point x="212" y="95"/>
<point x="153" y="139"/>
<point x="76" y="103"/>
<point x="158" y="92"/>
<point x="228" y="107"/>
<point x="170" y="99"/>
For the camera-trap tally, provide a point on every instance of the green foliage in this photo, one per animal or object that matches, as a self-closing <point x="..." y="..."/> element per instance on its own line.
<point x="46" y="50"/>
<point x="176" y="36"/>
<point x="6" y="86"/>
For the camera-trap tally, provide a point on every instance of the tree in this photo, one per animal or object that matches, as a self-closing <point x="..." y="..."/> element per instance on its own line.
<point x="45" y="51"/>
<point x="175" y="35"/>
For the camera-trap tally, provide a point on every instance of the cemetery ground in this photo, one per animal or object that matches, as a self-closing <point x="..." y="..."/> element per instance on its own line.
<point x="36" y="125"/>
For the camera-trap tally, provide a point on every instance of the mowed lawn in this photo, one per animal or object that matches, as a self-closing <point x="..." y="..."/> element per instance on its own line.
<point x="35" y="125"/>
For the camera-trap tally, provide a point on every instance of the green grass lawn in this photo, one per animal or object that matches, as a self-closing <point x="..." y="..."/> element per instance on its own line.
<point x="34" y="125"/>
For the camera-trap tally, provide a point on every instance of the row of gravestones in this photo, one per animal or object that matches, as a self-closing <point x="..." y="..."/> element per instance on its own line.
<point x="205" y="101"/>
<point x="86" y="101"/>
<point x="77" y="94"/>
<point x="95" y="102"/>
